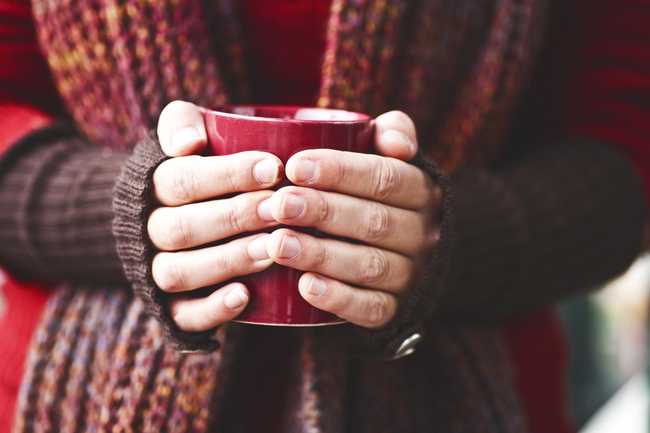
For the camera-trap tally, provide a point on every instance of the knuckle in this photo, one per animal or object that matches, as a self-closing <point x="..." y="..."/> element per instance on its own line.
<point x="182" y="315"/>
<point x="341" y="304"/>
<point x="183" y="183"/>
<point x="225" y="265"/>
<point x="243" y="215"/>
<point x="167" y="274"/>
<point x="245" y="209"/>
<point x="231" y="173"/>
<point x="378" y="222"/>
<point x="324" y="210"/>
<point x="374" y="267"/>
<point x="387" y="180"/>
<point x="377" y="308"/>
<point x="233" y="220"/>
<point x="238" y="171"/>
<point x="176" y="233"/>
<point x="318" y="257"/>
<point x="341" y="174"/>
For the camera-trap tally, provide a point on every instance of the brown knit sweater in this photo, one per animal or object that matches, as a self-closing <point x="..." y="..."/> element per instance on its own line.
<point x="458" y="69"/>
<point x="526" y="235"/>
<point x="56" y="205"/>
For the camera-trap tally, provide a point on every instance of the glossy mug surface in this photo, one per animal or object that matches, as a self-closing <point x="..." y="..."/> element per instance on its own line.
<point x="284" y="131"/>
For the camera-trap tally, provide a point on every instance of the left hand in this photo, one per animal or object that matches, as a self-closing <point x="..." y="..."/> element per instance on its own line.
<point x="388" y="205"/>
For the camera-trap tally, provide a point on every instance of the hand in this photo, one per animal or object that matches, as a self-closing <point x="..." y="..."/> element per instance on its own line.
<point x="388" y="205"/>
<point x="188" y="216"/>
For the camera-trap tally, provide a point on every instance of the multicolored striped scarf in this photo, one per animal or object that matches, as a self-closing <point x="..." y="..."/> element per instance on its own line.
<point x="457" y="67"/>
<point x="98" y="364"/>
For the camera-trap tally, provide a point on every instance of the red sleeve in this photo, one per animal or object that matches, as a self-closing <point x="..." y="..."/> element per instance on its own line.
<point x="600" y="74"/>
<point x="27" y="94"/>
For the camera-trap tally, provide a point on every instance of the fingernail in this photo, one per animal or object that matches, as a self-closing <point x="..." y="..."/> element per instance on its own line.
<point x="401" y="137"/>
<point x="257" y="248"/>
<point x="185" y="135"/>
<point x="266" y="171"/>
<point x="264" y="211"/>
<point x="317" y="287"/>
<point x="305" y="170"/>
<point x="289" y="248"/>
<point x="292" y="206"/>
<point x="235" y="299"/>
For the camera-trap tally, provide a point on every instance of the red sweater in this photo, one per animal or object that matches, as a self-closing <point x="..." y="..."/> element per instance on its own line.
<point x="597" y="69"/>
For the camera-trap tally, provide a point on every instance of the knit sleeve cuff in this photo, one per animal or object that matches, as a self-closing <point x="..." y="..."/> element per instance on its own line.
<point x="559" y="222"/>
<point x="132" y="206"/>
<point x="398" y="338"/>
<point x="56" y="191"/>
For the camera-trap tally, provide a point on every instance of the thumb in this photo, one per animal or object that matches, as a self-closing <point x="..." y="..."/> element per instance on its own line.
<point x="395" y="136"/>
<point x="181" y="129"/>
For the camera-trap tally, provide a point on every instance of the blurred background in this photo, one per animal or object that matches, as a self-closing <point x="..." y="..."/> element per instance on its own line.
<point x="608" y="335"/>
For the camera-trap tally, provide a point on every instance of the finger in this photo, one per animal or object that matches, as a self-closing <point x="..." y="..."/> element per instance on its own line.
<point x="181" y="129"/>
<point x="404" y="231"/>
<point x="185" y="180"/>
<point x="359" y="265"/>
<point x="387" y="180"/>
<point x="364" y="307"/>
<point x="189" y="270"/>
<point x="196" y="315"/>
<point x="395" y="136"/>
<point x="177" y="228"/>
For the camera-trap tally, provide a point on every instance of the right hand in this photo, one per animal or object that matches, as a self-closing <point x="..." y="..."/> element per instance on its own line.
<point x="188" y="218"/>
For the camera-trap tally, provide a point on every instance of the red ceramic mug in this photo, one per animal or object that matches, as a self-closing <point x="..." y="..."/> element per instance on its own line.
<point x="284" y="131"/>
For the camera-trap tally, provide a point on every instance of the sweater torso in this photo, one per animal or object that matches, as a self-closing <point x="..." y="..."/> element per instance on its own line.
<point x="364" y="77"/>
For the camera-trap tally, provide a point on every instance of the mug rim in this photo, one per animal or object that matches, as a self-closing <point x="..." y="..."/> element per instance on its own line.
<point x="217" y="110"/>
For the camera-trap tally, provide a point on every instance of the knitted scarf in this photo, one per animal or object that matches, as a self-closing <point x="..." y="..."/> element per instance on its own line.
<point x="456" y="67"/>
<point x="98" y="364"/>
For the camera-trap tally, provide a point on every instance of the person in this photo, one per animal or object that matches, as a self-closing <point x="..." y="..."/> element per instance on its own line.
<point x="115" y="222"/>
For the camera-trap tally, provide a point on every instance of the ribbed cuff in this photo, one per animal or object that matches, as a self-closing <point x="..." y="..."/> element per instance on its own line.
<point x="560" y="222"/>
<point x="422" y="300"/>
<point x="56" y="191"/>
<point x="132" y="206"/>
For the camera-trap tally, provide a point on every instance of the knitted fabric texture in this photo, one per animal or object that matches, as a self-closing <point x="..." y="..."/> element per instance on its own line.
<point x="526" y="233"/>
<point x="99" y="364"/>
<point x="117" y="63"/>
<point x="132" y="205"/>
<point x="49" y="222"/>
<point x="91" y="33"/>
<point x="456" y="68"/>
<point x="421" y="302"/>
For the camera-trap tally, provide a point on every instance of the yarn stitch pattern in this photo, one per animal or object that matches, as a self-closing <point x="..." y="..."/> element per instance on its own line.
<point x="458" y="68"/>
